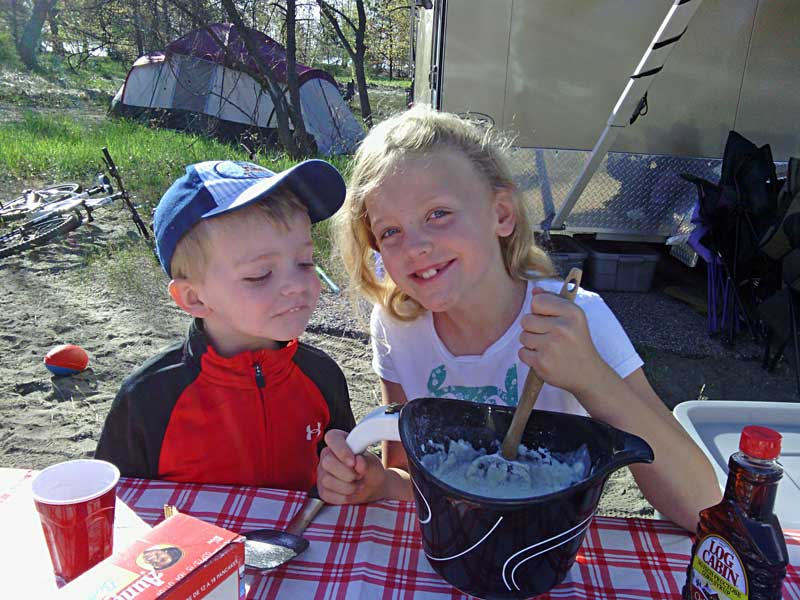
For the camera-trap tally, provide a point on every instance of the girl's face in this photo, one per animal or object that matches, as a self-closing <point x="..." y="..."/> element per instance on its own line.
<point x="437" y="224"/>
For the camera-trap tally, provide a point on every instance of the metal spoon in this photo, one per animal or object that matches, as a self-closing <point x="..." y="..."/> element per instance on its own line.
<point x="270" y="548"/>
<point x="533" y="383"/>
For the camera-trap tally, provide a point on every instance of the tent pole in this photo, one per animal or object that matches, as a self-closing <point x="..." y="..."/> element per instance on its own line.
<point x="634" y="97"/>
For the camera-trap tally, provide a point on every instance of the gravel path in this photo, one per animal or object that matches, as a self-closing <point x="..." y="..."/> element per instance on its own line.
<point x="663" y="323"/>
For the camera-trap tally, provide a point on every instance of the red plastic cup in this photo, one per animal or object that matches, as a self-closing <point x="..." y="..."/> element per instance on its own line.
<point x="75" y="500"/>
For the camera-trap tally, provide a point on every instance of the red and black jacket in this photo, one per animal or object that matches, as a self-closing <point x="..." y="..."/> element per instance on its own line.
<point x="257" y="418"/>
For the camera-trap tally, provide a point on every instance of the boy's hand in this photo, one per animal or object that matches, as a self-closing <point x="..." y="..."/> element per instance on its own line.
<point x="557" y="345"/>
<point x="345" y="478"/>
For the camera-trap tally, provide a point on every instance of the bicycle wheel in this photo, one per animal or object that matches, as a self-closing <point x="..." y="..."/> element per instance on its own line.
<point x="24" y="203"/>
<point x="37" y="233"/>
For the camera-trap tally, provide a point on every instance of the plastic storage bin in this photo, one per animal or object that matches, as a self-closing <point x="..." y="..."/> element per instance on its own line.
<point x="619" y="266"/>
<point x="565" y="252"/>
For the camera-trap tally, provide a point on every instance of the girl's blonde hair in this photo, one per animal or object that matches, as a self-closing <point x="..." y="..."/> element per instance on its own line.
<point x="421" y="131"/>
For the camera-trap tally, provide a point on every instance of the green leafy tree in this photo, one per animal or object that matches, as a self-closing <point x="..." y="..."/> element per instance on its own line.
<point x="354" y="44"/>
<point x="388" y="37"/>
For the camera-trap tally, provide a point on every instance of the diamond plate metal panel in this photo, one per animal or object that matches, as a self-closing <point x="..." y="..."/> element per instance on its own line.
<point x="632" y="195"/>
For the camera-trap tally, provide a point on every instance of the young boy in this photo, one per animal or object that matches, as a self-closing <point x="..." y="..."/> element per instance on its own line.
<point x="240" y="401"/>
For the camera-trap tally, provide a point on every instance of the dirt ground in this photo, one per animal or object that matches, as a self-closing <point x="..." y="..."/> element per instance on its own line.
<point x="118" y="310"/>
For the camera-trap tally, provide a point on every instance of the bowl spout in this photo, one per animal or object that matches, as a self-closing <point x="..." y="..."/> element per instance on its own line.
<point x="629" y="449"/>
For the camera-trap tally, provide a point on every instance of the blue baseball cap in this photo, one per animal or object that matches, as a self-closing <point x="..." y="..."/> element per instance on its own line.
<point x="212" y="188"/>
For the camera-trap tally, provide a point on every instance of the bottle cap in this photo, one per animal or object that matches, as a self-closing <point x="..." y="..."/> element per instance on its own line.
<point x="760" y="442"/>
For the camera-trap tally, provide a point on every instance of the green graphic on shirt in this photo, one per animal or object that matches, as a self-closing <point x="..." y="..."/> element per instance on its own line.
<point x="484" y="394"/>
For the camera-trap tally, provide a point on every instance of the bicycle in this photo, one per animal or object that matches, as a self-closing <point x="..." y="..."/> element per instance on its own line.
<point x="32" y="200"/>
<point x="55" y="211"/>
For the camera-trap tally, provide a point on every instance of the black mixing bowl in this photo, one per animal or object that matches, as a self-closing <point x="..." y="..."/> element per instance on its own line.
<point x="501" y="548"/>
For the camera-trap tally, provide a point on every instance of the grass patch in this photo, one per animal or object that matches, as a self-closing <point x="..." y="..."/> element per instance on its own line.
<point x="55" y="83"/>
<point x="386" y="82"/>
<point x="343" y="74"/>
<point x="51" y="149"/>
<point x="96" y="72"/>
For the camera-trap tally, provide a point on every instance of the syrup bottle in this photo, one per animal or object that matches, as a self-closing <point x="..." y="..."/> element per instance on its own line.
<point x="740" y="552"/>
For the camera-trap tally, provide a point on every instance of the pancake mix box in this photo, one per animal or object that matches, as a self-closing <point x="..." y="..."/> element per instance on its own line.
<point x="182" y="558"/>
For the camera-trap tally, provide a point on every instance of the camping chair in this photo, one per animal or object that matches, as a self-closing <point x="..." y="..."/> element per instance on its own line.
<point x="780" y="313"/>
<point x="716" y="291"/>
<point x="726" y="309"/>
<point x="731" y="217"/>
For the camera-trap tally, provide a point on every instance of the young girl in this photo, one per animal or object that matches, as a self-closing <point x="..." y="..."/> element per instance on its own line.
<point x="468" y="304"/>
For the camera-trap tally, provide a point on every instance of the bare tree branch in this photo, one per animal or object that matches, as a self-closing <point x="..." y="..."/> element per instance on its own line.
<point x="357" y="52"/>
<point x="327" y="6"/>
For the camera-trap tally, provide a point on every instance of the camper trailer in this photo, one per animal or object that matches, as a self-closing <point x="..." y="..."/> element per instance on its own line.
<point x="551" y="73"/>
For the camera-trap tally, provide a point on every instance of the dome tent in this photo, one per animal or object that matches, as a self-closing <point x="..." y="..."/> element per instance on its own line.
<point x="198" y="84"/>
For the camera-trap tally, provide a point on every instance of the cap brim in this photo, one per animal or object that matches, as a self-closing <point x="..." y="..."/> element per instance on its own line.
<point x="317" y="184"/>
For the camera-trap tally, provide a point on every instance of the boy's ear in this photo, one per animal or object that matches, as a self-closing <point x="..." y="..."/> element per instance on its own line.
<point x="184" y="293"/>
<point x="505" y="213"/>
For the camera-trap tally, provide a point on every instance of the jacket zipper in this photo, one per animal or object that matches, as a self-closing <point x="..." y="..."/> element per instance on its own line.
<point x="259" y="375"/>
<point x="261" y="384"/>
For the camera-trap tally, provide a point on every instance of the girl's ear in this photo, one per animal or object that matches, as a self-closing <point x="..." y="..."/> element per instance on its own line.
<point x="184" y="293"/>
<point x="504" y="211"/>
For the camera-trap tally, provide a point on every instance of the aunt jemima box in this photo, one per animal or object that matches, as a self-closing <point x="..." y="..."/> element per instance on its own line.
<point x="182" y="558"/>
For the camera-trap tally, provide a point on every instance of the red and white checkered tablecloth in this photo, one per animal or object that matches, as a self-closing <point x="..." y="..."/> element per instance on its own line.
<point x="375" y="551"/>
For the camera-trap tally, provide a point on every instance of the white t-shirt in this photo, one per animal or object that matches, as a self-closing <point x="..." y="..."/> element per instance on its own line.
<point x="411" y="354"/>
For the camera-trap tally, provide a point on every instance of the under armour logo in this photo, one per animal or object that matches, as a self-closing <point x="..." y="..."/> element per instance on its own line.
<point x="313" y="432"/>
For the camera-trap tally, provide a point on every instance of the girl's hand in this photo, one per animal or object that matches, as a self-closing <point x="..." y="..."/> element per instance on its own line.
<point x="346" y="478"/>
<point x="556" y="343"/>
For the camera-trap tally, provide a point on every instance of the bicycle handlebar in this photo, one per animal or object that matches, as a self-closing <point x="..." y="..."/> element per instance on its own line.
<point x="112" y="169"/>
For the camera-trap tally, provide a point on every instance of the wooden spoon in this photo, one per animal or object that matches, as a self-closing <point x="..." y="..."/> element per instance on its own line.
<point x="533" y="383"/>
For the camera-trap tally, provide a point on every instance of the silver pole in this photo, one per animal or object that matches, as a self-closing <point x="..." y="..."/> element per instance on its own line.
<point x="632" y="100"/>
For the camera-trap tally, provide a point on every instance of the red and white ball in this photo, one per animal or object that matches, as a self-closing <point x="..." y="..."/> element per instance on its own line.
<point x="66" y="359"/>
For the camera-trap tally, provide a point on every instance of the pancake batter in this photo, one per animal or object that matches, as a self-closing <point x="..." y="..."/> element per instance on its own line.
<point x="536" y="472"/>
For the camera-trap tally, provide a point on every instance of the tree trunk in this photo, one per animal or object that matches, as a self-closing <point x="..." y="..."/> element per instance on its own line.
<point x="356" y="53"/>
<point x="28" y="47"/>
<point x="199" y="14"/>
<point x="304" y="141"/>
<point x="52" y="21"/>
<point x="14" y="22"/>
<point x="363" y="95"/>
<point x="137" y="29"/>
<point x="154" y="33"/>
<point x="267" y="81"/>
<point x="165" y="20"/>
<point x="361" y="77"/>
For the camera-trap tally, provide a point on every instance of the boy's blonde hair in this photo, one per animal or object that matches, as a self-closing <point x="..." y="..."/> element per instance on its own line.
<point x="421" y="131"/>
<point x="190" y="259"/>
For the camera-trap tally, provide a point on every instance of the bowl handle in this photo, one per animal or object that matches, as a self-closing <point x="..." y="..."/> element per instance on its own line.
<point x="381" y="424"/>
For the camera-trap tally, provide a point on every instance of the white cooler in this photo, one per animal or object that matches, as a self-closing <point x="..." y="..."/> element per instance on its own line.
<point x="716" y="425"/>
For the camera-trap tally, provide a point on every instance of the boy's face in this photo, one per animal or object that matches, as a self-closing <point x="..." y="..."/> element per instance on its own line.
<point x="260" y="285"/>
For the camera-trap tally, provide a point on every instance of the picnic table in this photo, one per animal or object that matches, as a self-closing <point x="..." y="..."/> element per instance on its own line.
<point x="364" y="551"/>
